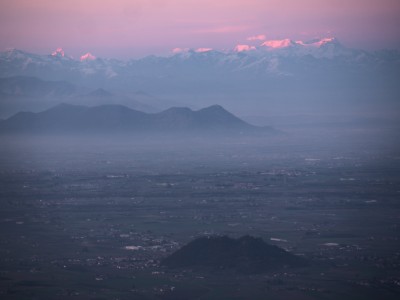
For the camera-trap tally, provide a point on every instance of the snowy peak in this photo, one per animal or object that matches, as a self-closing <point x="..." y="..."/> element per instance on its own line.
<point x="202" y="50"/>
<point x="286" y="43"/>
<point x="87" y="57"/>
<point x="59" y="52"/>
<point x="60" y="55"/>
<point x="243" y="48"/>
<point x="319" y="48"/>
<point x="278" y="44"/>
<point x="180" y="50"/>
<point x="318" y="43"/>
<point x="316" y="47"/>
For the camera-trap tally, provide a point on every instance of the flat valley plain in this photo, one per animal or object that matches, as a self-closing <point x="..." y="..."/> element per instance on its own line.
<point x="90" y="218"/>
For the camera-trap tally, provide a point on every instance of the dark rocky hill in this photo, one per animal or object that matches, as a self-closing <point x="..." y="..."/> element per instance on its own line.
<point x="246" y="254"/>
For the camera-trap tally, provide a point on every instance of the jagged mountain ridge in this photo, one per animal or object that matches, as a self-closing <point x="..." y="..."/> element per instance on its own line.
<point x="66" y="118"/>
<point x="272" y="58"/>
<point x="280" y="75"/>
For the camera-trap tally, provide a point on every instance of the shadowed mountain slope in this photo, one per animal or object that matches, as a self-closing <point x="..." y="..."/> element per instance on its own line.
<point x="66" y="118"/>
<point x="246" y="254"/>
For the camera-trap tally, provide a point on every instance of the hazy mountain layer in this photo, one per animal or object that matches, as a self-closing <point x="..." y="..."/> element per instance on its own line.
<point x="277" y="77"/>
<point x="65" y="118"/>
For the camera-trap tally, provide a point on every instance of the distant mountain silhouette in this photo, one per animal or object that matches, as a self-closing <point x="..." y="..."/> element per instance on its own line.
<point x="246" y="254"/>
<point x="66" y="118"/>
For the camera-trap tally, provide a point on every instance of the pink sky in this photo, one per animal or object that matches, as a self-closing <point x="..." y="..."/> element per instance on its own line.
<point x="135" y="28"/>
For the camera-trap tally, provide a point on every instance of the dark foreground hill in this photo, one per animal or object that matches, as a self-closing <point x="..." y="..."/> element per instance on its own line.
<point x="246" y="254"/>
<point x="66" y="118"/>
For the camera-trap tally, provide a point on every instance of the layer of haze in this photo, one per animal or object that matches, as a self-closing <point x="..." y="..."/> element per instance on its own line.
<point x="126" y="29"/>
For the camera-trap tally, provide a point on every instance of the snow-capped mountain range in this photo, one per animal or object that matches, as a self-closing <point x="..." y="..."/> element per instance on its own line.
<point x="281" y="70"/>
<point x="269" y="58"/>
